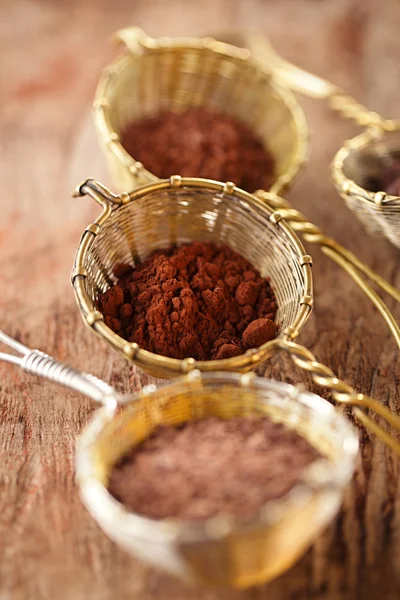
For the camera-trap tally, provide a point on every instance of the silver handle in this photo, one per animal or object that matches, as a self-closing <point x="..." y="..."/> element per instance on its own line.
<point x="39" y="363"/>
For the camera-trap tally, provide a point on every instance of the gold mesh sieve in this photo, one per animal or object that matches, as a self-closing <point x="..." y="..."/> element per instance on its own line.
<point x="160" y="74"/>
<point x="221" y="550"/>
<point x="362" y="158"/>
<point x="181" y="210"/>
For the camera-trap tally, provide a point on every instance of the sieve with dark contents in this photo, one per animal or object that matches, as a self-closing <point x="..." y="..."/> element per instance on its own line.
<point x="180" y="210"/>
<point x="158" y="74"/>
<point x="221" y="550"/>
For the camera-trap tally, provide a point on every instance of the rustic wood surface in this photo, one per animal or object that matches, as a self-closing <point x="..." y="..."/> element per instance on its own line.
<point x="51" y="55"/>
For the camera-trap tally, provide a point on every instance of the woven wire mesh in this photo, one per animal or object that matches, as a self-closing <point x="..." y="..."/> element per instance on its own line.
<point x="175" y="216"/>
<point x="177" y="77"/>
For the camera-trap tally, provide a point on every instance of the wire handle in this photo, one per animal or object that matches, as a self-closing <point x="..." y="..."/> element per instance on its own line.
<point x="311" y="85"/>
<point x="99" y="192"/>
<point x="339" y="254"/>
<point x="102" y="195"/>
<point x="299" y="80"/>
<point x="343" y="393"/>
<point x="39" y="363"/>
<point x="134" y="38"/>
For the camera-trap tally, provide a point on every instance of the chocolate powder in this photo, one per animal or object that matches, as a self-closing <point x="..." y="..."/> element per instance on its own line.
<point x="391" y="179"/>
<point x="200" y="143"/>
<point x="198" y="300"/>
<point x="388" y="181"/>
<point x="211" y="466"/>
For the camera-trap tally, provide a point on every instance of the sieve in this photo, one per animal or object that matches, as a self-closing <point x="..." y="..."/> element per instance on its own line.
<point x="158" y="74"/>
<point x="180" y="210"/>
<point x="221" y="550"/>
<point x="174" y="74"/>
<point x="357" y="167"/>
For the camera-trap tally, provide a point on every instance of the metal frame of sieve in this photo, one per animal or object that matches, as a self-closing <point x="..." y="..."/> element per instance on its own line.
<point x="166" y="212"/>
<point x="177" y="73"/>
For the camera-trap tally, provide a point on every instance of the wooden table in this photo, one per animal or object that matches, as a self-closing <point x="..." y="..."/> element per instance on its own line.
<point x="52" y="53"/>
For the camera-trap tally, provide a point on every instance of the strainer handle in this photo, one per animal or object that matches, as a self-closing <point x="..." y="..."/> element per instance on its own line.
<point x="99" y="192"/>
<point x="39" y="363"/>
<point x="353" y="266"/>
<point x="135" y="39"/>
<point x="344" y="393"/>
<point x="308" y="84"/>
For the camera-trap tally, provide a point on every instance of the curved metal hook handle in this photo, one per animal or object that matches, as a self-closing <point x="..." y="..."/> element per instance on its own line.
<point x="39" y="363"/>
<point x="102" y="195"/>
<point x="343" y="393"/>
<point x="135" y="39"/>
<point x="99" y="192"/>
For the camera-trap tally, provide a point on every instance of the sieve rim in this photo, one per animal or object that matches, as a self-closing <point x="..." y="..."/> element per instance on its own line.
<point x="110" y="138"/>
<point x="93" y="318"/>
<point x="348" y="188"/>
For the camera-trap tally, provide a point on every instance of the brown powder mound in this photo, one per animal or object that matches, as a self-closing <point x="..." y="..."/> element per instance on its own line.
<point x="198" y="300"/>
<point x="200" y="143"/>
<point x="211" y="466"/>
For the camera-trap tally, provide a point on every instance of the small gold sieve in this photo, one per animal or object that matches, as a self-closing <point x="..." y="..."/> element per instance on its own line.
<point x="182" y="210"/>
<point x="159" y="74"/>
<point x="155" y="74"/>
<point x="357" y="165"/>
<point x="221" y="550"/>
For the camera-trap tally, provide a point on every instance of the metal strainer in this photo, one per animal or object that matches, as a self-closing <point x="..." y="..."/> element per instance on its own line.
<point x="158" y="74"/>
<point x="221" y="550"/>
<point x="181" y="210"/>
<point x="173" y="74"/>
<point x="360" y="162"/>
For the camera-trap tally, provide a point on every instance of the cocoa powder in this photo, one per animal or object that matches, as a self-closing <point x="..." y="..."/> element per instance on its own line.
<point x="387" y="181"/>
<point x="198" y="300"/>
<point x="211" y="466"/>
<point x="200" y="143"/>
<point x="391" y="179"/>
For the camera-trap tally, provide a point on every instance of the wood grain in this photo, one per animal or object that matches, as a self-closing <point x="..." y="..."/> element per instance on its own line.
<point x="51" y="54"/>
